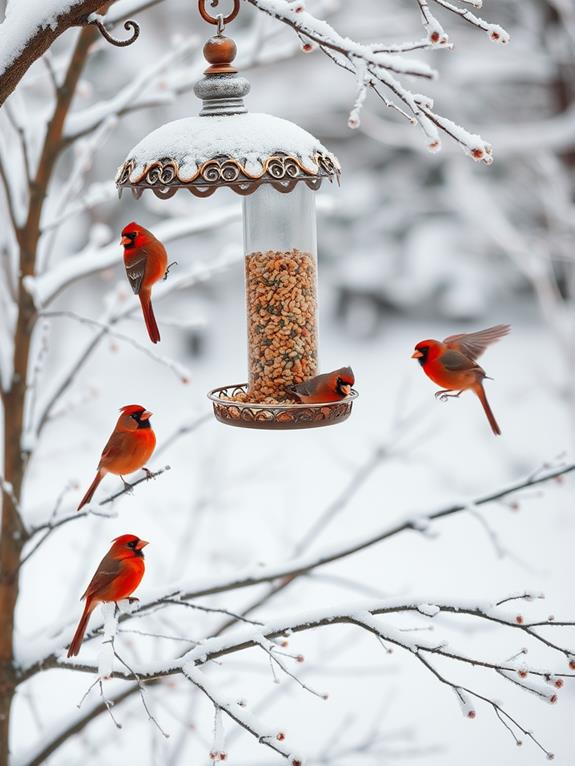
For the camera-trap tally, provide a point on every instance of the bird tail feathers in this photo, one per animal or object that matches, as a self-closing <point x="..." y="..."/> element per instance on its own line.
<point x="488" y="411"/>
<point x="80" y="630"/>
<point x="91" y="489"/>
<point x="149" y="318"/>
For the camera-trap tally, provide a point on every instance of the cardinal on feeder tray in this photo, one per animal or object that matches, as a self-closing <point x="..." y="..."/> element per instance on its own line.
<point x="146" y="262"/>
<point x="119" y="574"/>
<point x="329" y="387"/>
<point x="129" y="447"/>
<point x="452" y="364"/>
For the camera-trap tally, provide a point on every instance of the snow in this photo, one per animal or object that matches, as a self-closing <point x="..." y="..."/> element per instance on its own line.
<point x="430" y="610"/>
<point x="45" y="287"/>
<point x="465" y="702"/>
<point x="250" y="138"/>
<point x="438" y="226"/>
<point x="23" y="20"/>
<point x="106" y="653"/>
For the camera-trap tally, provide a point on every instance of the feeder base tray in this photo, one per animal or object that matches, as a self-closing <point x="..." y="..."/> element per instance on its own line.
<point x="276" y="417"/>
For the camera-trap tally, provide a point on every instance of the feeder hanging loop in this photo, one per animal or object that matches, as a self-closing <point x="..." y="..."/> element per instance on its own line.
<point x="219" y="20"/>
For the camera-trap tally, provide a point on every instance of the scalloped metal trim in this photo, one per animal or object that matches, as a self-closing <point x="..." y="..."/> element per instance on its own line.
<point x="164" y="177"/>
<point x="276" y="416"/>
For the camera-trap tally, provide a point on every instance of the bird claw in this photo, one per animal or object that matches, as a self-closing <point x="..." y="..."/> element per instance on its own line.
<point x="173" y="263"/>
<point x="149" y="474"/>
<point x="133" y="599"/>
<point x="443" y="396"/>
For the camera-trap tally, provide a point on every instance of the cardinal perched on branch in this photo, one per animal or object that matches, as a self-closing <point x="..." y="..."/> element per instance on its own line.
<point x="128" y="449"/>
<point x="329" y="387"/>
<point x="452" y="364"/>
<point x="119" y="574"/>
<point x="146" y="262"/>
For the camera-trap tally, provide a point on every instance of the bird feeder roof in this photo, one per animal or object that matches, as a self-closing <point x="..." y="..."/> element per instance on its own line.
<point x="225" y="145"/>
<point x="239" y="151"/>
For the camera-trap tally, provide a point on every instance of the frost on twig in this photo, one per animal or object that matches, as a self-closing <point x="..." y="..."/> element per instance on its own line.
<point x="384" y="68"/>
<point x="218" y="749"/>
<point x="106" y="653"/>
<point x="377" y="620"/>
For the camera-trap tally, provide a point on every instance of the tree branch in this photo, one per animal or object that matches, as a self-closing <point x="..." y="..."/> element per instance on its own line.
<point x="286" y="572"/>
<point x="46" y="31"/>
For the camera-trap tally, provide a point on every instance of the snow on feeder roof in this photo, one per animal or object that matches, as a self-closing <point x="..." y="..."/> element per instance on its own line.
<point x="240" y="151"/>
<point x="224" y="145"/>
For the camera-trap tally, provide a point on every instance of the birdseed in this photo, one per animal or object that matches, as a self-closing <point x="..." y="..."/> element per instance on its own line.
<point x="281" y="294"/>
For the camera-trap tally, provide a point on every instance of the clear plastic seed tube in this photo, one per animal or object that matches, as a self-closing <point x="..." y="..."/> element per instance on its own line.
<point x="281" y="290"/>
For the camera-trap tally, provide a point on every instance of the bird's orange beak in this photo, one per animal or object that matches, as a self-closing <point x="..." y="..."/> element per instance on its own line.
<point x="416" y="355"/>
<point x="125" y="241"/>
<point x="142" y="544"/>
<point x="146" y="415"/>
<point x="346" y="388"/>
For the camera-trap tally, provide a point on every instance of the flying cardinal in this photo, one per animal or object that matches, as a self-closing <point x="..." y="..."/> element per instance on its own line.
<point x="146" y="262"/>
<point x="129" y="447"/>
<point x="329" y="387"/>
<point x="452" y="364"/>
<point x="117" y="577"/>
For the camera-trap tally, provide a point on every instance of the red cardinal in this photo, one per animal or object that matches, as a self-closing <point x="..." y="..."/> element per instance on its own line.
<point x="129" y="447"/>
<point x="146" y="262"/>
<point x="117" y="577"/>
<point x="452" y="364"/>
<point x="329" y="387"/>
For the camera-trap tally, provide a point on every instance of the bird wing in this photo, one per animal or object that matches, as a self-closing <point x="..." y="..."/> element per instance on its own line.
<point x="454" y="361"/>
<point x="136" y="269"/>
<point x="305" y="388"/>
<point x="311" y="386"/>
<point x="473" y="344"/>
<point x="106" y="573"/>
<point x="115" y="446"/>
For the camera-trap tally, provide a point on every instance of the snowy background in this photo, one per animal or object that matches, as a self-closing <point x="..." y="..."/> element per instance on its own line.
<point x="413" y="245"/>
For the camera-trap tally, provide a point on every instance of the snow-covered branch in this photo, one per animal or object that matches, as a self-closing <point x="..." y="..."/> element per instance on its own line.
<point x="197" y="274"/>
<point x="46" y="287"/>
<point x="25" y="34"/>
<point x="545" y="683"/>
<point x="297" y="567"/>
<point x="374" y="66"/>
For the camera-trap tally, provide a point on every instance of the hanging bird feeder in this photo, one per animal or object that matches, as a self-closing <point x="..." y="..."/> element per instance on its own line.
<point x="276" y="166"/>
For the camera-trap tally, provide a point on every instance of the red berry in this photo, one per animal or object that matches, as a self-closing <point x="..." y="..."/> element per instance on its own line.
<point x="434" y="37"/>
<point x="522" y="673"/>
<point x="519" y="619"/>
<point x="553" y="699"/>
<point x="471" y="714"/>
<point x="572" y="664"/>
<point x="495" y="35"/>
<point x="280" y="736"/>
<point x="477" y="153"/>
<point x="558" y="683"/>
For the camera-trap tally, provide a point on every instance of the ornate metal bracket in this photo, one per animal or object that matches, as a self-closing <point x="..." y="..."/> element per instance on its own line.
<point x="128" y="25"/>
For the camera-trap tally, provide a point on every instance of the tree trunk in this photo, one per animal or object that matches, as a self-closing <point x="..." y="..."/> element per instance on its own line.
<point x="12" y="531"/>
